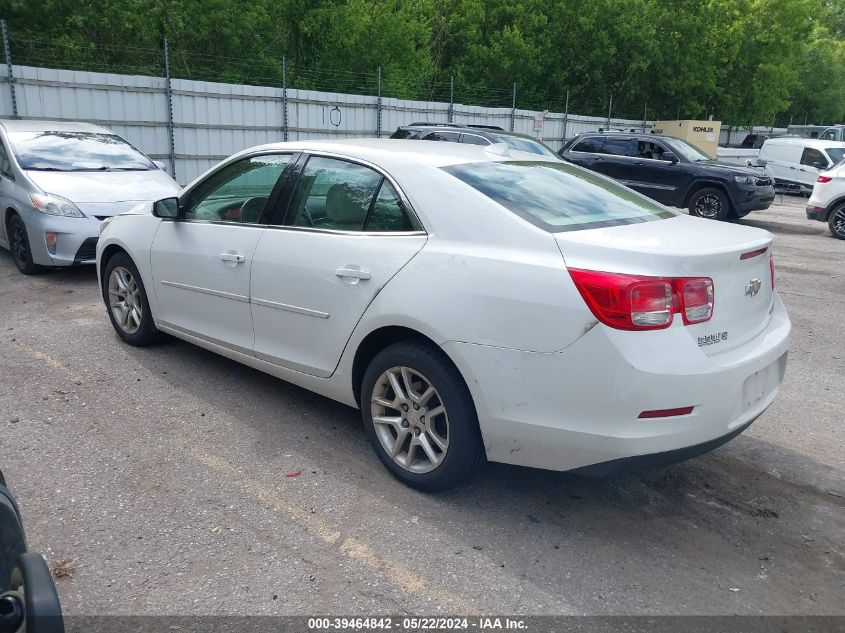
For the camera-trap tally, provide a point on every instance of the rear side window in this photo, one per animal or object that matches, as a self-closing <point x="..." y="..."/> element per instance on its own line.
<point x="558" y="196"/>
<point x="592" y="144"/>
<point x="474" y="139"/>
<point x="400" y="133"/>
<point x="442" y="136"/>
<point x="620" y="147"/>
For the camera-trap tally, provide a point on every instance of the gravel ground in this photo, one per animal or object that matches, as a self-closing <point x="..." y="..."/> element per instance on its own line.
<point x="160" y="475"/>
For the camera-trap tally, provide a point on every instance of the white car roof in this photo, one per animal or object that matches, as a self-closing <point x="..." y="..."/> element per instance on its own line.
<point x="805" y="142"/>
<point x="434" y="153"/>
<point x="15" y="125"/>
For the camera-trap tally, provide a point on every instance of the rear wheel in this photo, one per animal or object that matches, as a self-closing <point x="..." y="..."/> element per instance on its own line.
<point x="710" y="203"/>
<point x="836" y="222"/>
<point x="126" y="299"/>
<point x="420" y="418"/>
<point x="19" y="245"/>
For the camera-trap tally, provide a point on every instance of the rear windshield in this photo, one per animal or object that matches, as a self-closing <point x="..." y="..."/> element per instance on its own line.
<point x="76" y="151"/>
<point x="527" y="145"/>
<point x="558" y="196"/>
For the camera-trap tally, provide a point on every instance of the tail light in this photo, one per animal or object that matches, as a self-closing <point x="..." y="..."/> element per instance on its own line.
<point x="631" y="302"/>
<point x="696" y="299"/>
<point x="772" y="270"/>
<point x="824" y="179"/>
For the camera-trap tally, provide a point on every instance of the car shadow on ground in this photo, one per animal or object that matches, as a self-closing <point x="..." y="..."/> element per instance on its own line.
<point x="722" y="492"/>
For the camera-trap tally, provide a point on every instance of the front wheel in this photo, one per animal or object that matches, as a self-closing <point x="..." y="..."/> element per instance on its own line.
<point x="836" y="222"/>
<point x="710" y="203"/>
<point x="126" y="300"/>
<point x="420" y="418"/>
<point x="19" y="245"/>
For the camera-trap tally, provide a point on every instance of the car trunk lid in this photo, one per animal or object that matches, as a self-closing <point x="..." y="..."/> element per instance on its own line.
<point x="735" y="257"/>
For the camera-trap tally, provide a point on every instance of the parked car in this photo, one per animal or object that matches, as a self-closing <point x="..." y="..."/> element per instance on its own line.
<point x="58" y="180"/>
<point x="827" y="202"/>
<point x="473" y="304"/>
<point x="799" y="161"/>
<point x="673" y="172"/>
<point x="29" y="602"/>
<point x="472" y="135"/>
<point x="747" y="152"/>
<point x="833" y="133"/>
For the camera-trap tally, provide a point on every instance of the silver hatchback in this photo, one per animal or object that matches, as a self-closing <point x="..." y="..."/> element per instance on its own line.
<point x="59" y="180"/>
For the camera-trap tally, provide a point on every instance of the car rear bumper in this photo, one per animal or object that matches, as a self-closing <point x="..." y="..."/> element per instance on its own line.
<point x="817" y="213"/>
<point x="579" y="407"/>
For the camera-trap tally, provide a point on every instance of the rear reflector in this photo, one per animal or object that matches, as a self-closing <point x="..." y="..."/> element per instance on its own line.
<point x="751" y="254"/>
<point x="665" y="413"/>
<point x="631" y="302"/>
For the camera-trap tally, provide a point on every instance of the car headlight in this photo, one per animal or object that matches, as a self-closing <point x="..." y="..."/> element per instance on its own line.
<point x="51" y="204"/>
<point x="105" y="223"/>
<point x="744" y="180"/>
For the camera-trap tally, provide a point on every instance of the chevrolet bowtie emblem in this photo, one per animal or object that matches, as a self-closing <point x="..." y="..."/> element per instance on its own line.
<point x="753" y="287"/>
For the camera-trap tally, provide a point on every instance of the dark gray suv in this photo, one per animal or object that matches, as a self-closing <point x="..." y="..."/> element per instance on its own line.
<point x="673" y="172"/>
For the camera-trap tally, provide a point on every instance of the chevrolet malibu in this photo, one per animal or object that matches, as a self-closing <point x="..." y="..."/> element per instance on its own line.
<point x="59" y="180"/>
<point x="475" y="303"/>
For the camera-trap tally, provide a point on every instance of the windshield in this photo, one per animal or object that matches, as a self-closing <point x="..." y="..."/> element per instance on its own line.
<point x="557" y="196"/>
<point x="527" y="145"/>
<point x="685" y="151"/>
<point x="76" y="151"/>
<point x="837" y="154"/>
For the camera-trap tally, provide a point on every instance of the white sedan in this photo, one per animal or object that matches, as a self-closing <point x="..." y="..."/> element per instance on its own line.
<point x="474" y="303"/>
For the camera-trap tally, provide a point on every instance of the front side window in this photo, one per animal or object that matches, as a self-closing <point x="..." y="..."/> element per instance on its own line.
<point x="5" y="163"/>
<point x="813" y="157"/>
<point x="837" y="154"/>
<point x="237" y="193"/>
<point x="592" y="145"/>
<point x="558" y="196"/>
<point x="76" y="151"/>
<point x="650" y="150"/>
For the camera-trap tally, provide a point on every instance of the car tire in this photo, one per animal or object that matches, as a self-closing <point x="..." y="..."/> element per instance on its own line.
<point x="19" y="246"/>
<point x="447" y="447"/>
<point x="126" y="302"/>
<point x="836" y="222"/>
<point x="710" y="203"/>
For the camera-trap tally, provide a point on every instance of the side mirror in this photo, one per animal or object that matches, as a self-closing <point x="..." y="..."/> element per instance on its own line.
<point x="167" y="208"/>
<point x="161" y="165"/>
<point x="819" y="165"/>
<point x="670" y="156"/>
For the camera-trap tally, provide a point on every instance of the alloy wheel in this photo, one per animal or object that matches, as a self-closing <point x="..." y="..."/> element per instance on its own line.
<point x="708" y="206"/>
<point x="19" y="247"/>
<point x="410" y="419"/>
<point x="125" y="300"/>
<point x="837" y="222"/>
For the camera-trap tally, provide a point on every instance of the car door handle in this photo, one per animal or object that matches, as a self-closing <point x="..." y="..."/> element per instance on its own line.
<point x="352" y="273"/>
<point x="232" y="257"/>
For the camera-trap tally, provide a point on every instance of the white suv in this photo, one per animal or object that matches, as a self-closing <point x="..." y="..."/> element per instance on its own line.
<point x="827" y="203"/>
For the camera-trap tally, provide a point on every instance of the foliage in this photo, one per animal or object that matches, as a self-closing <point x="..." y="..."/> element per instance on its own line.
<point x="743" y="61"/>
